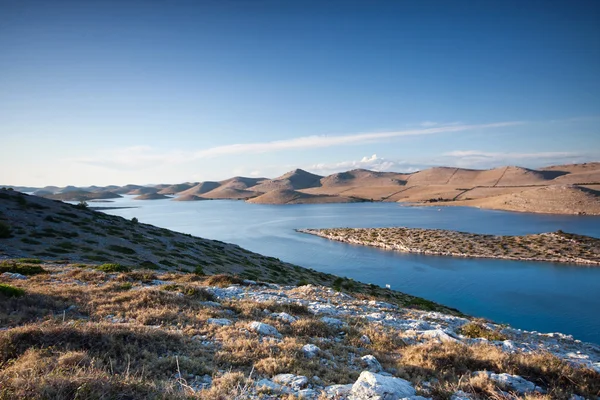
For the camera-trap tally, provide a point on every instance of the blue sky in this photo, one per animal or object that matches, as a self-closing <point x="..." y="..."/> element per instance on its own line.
<point x="116" y="92"/>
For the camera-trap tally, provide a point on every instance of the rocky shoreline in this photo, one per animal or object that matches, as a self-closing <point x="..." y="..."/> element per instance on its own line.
<point x="557" y="247"/>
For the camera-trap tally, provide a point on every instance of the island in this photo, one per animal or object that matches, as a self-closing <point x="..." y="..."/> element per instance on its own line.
<point x="559" y="246"/>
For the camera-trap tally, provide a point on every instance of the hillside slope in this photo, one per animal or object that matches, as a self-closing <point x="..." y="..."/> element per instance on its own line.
<point x="52" y="230"/>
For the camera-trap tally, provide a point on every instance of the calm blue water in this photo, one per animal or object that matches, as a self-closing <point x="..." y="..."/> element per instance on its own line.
<point x="545" y="297"/>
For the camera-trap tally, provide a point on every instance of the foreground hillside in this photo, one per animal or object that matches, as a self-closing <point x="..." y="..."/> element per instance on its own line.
<point x="182" y="325"/>
<point x="32" y="226"/>
<point x="83" y="332"/>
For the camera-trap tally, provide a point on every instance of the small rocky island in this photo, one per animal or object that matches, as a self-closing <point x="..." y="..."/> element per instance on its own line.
<point x="551" y="247"/>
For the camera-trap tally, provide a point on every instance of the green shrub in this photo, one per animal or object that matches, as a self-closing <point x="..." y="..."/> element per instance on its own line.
<point x="30" y="260"/>
<point x="134" y="220"/>
<point x="121" y="249"/>
<point x="23" y="269"/>
<point x="149" y="265"/>
<point x="302" y="282"/>
<point x="199" y="271"/>
<point x="112" y="268"/>
<point x="5" y="230"/>
<point x="10" y="291"/>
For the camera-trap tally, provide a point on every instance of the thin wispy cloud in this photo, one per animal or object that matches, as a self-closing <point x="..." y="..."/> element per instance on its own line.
<point x="145" y="156"/>
<point x="486" y="159"/>
<point x="308" y="142"/>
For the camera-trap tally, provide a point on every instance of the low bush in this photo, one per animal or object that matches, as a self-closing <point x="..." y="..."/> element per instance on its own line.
<point x="5" y="231"/>
<point x="223" y="280"/>
<point x="112" y="268"/>
<point x="10" y="291"/>
<point x="23" y="269"/>
<point x="478" y="330"/>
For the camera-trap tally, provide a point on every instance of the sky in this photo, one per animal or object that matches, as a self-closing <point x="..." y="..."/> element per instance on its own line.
<point x="116" y="92"/>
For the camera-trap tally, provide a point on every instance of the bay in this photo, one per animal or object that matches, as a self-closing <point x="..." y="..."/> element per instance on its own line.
<point x="546" y="297"/>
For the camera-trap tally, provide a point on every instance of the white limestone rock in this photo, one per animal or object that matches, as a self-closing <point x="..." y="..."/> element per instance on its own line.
<point x="13" y="275"/>
<point x="513" y="382"/>
<point x="310" y="350"/>
<point x="338" y="391"/>
<point x="266" y="385"/>
<point x="264" y="329"/>
<point x="371" y="386"/>
<point x="219" y="321"/>
<point x="285" y="317"/>
<point x="438" y="335"/>
<point x="460" y="395"/>
<point x="333" y="321"/>
<point x="372" y="364"/>
<point x="296" y="382"/>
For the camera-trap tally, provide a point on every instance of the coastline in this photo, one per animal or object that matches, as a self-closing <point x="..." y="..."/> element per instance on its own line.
<point x="419" y="241"/>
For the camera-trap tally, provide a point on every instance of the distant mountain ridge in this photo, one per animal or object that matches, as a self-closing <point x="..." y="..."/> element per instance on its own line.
<point x="436" y="185"/>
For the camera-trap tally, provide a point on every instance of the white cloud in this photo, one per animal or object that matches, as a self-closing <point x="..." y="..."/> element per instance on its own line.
<point x="373" y="163"/>
<point x="307" y="142"/>
<point x="141" y="157"/>
<point x="485" y="159"/>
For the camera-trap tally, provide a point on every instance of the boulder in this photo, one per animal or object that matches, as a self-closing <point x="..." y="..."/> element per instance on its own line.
<point x="374" y="386"/>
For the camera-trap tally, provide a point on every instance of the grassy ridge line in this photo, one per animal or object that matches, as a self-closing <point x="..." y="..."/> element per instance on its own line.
<point x="52" y="230"/>
<point x="557" y="246"/>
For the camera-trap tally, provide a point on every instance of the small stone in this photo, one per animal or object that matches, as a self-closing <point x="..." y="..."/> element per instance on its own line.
<point x="333" y="321"/>
<point x="365" y="339"/>
<point x="219" y="321"/>
<point x="13" y="275"/>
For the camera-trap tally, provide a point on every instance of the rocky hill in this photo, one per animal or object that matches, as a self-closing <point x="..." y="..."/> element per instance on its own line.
<point x="94" y="306"/>
<point x="504" y="188"/>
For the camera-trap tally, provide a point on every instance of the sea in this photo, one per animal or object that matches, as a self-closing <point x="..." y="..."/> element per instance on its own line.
<point x="535" y="296"/>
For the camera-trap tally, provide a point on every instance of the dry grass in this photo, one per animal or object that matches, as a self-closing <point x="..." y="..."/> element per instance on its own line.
<point x="88" y="334"/>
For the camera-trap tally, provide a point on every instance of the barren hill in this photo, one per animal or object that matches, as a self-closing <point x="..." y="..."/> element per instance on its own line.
<point x="151" y="196"/>
<point x="241" y="182"/>
<point x="293" y="180"/>
<point x="200" y="188"/>
<point x="555" y="199"/>
<point x="174" y="189"/>
<point x="228" y="193"/>
<point x="188" y="197"/>
<point x="126" y="189"/>
<point x="286" y="196"/>
<point x="364" y="177"/>
<point x="143" y="190"/>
